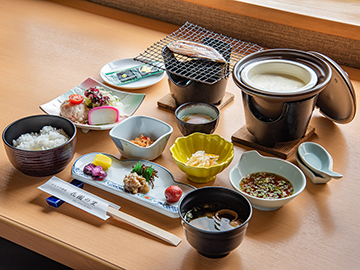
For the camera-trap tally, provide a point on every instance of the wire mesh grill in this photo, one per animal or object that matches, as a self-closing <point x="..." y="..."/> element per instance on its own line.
<point x="197" y="69"/>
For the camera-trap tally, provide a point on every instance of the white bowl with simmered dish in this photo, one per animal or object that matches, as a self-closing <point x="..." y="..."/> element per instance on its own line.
<point x="267" y="182"/>
<point x="141" y="137"/>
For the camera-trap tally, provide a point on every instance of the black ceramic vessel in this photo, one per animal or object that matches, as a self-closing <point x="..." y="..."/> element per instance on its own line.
<point x="187" y="128"/>
<point x="184" y="90"/>
<point x="208" y="79"/>
<point x="44" y="162"/>
<point x="290" y="125"/>
<point x="283" y="116"/>
<point x="216" y="244"/>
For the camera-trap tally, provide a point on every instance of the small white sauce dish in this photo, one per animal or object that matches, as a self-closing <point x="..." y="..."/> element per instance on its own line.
<point x="252" y="162"/>
<point x="317" y="159"/>
<point x="133" y="127"/>
<point x="314" y="177"/>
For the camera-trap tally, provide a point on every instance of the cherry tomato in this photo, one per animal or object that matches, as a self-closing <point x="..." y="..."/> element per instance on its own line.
<point x="76" y="98"/>
<point x="173" y="193"/>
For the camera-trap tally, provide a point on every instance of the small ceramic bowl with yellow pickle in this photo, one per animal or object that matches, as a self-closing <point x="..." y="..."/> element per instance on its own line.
<point x="202" y="156"/>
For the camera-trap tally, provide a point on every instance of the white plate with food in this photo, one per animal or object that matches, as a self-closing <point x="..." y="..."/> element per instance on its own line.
<point x="114" y="182"/>
<point x="126" y="63"/>
<point x="116" y="105"/>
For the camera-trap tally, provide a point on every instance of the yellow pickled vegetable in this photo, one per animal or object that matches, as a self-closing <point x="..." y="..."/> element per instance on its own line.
<point x="202" y="159"/>
<point x="103" y="161"/>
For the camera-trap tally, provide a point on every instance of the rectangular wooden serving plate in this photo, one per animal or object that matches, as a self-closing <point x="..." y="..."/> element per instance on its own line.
<point x="168" y="102"/>
<point x="282" y="150"/>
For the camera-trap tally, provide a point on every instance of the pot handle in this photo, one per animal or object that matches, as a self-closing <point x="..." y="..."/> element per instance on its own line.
<point x="178" y="80"/>
<point x="259" y="116"/>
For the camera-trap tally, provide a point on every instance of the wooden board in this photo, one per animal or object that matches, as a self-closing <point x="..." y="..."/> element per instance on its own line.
<point x="168" y="102"/>
<point x="282" y="150"/>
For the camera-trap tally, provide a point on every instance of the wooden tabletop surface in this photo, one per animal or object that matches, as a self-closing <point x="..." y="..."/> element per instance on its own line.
<point x="47" y="49"/>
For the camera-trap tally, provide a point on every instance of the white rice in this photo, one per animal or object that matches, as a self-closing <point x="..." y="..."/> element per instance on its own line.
<point x="48" y="137"/>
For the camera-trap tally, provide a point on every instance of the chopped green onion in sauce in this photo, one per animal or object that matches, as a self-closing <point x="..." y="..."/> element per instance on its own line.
<point x="266" y="185"/>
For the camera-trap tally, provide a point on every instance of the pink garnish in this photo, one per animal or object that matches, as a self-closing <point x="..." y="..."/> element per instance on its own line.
<point x="103" y="115"/>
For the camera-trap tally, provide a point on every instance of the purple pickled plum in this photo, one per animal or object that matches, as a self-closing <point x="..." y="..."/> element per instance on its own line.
<point x="88" y="169"/>
<point x="98" y="172"/>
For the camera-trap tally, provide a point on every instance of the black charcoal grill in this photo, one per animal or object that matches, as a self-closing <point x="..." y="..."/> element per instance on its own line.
<point x="202" y="71"/>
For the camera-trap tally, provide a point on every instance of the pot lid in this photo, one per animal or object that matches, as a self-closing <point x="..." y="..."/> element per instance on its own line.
<point x="337" y="101"/>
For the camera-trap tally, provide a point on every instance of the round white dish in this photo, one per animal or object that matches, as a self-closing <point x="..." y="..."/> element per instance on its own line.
<point x="113" y="183"/>
<point x="128" y="63"/>
<point x="252" y="162"/>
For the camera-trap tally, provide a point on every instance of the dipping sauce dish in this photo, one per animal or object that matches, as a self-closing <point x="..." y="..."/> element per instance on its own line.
<point x="253" y="162"/>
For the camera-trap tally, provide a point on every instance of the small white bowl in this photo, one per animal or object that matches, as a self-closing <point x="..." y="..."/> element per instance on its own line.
<point x="133" y="127"/>
<point x="315" y="178"/>
<point x="252" y="162"/>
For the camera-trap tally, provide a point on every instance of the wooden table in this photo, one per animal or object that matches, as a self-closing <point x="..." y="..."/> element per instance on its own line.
<point x="47" y="49"/>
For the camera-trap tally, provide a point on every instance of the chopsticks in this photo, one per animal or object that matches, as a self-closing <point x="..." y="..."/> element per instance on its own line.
<point x="144" y="226"/>
<point x="62" y="191"/>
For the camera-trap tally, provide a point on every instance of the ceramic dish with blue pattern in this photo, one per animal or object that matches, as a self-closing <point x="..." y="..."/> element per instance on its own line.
<point x="113" y="183"/>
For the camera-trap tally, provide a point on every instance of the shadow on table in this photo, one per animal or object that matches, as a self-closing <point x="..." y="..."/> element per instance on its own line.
<point x="15" y="257"/>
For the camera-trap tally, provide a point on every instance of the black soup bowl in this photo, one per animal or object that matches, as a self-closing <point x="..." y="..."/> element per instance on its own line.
<point x="42" y="162"/>
<point x="212" y="243"/>
<point x="197" y="117"/>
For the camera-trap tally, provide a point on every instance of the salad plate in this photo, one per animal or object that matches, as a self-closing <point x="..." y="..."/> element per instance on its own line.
<point x="113" y="183"/>
<point x="130" y="101"/>
<point x="125" y="63"/>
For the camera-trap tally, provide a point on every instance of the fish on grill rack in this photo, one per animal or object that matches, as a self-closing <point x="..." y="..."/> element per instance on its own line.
<point x="196" y="50"/>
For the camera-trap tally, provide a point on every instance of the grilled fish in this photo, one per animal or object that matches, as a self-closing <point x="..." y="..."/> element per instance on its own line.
<point x="196" y="50"/>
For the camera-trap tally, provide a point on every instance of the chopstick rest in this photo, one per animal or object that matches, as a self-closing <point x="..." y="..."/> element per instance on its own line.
<point x="101" y="208"/>
<point x="56" y="202"/>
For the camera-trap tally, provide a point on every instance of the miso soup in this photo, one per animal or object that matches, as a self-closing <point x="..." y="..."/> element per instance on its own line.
<point x="197" y="118"/>
<point x="213" y="217"/>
